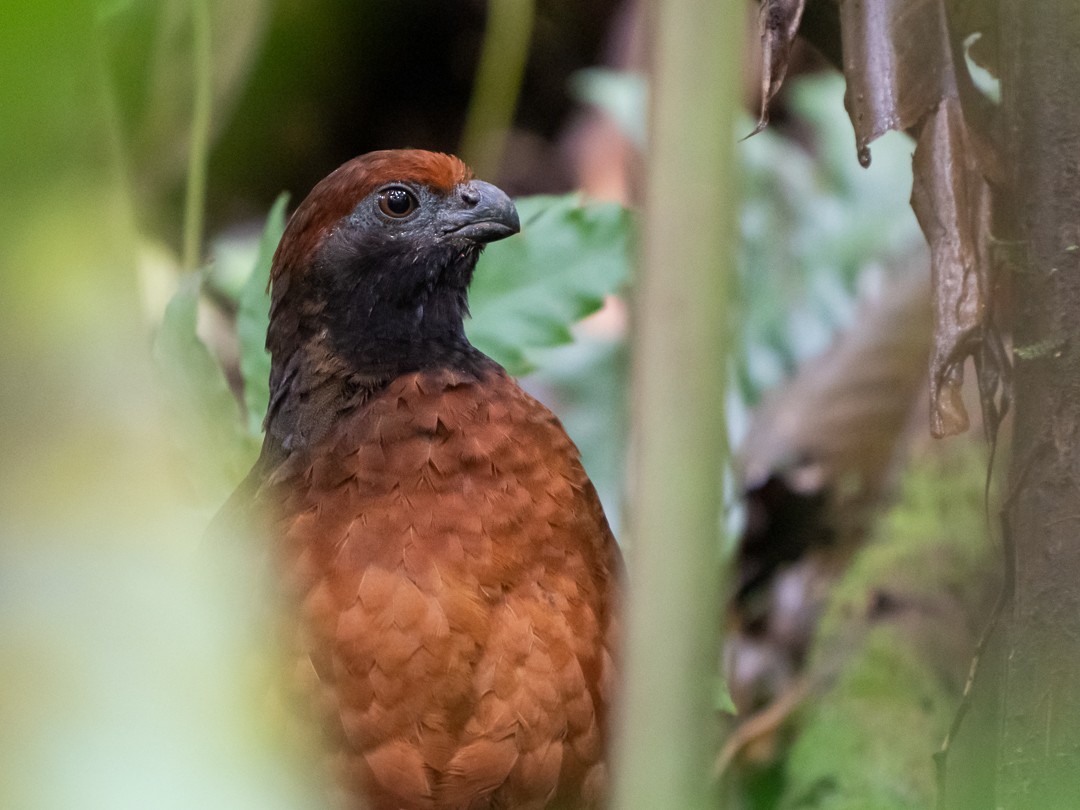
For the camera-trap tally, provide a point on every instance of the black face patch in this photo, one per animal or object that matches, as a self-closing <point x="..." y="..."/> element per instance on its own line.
<point x="375" y="264"/>
<point x="391" y="290"/>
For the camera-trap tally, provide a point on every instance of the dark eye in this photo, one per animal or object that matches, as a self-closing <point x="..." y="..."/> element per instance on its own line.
<point x="397" y="202"/>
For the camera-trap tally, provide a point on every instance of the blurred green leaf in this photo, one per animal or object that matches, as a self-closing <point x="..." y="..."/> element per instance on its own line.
<point x="813" y="222"/>
<point x="585" y="383"/>
<point x="232" y="256"/>
<point x="107" y="9"/>
<point x="724" y="703"/>
<point x="253" y="318"/>
<point x="529" y="290"/>
<point x="206" y="430"/>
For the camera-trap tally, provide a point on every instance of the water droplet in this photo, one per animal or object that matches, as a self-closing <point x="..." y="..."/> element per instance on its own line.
<point x="864" y="156"/>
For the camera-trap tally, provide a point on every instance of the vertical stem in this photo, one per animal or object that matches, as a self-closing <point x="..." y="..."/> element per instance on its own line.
<point x="668" y="729"/>
<point x="198" y="155"/>
<point x="1040" y="71"/>
<point x="118" y="156"/>
<point x="498" y="83"/>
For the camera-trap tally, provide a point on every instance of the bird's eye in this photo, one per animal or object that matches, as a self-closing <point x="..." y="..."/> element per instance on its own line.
<point x="397" y="202"/>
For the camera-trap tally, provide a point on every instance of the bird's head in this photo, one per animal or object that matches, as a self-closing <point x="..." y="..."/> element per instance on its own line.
<point x="375" y="262"/>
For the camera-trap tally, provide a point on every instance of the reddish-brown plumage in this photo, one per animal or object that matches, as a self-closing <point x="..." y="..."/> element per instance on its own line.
<point x="453" y="579"/>
<point x="456" y="581"/>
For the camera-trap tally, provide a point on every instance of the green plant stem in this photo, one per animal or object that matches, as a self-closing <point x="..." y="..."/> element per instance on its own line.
<point x="198" y="155"/>
<point x="668" y="737"/>
<point x="498" y="83"/>
<point x="118" y="153"/>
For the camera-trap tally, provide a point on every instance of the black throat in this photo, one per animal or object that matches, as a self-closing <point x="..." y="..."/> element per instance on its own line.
<point x="355" y="321"/>
<point x="387" y="315"/>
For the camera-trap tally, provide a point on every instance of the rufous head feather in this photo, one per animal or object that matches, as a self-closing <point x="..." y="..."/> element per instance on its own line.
<point x="339" y="192"/>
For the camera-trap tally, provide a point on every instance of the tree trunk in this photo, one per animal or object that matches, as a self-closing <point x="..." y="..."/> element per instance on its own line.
<point x="1039" y="746"/>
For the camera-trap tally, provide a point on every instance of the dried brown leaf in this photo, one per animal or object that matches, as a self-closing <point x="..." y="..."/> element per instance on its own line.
<point x="779" y="24"/>
<point x="897" y="63"/>
<point x="901" y="73"/>
<point x="951" y="200"/>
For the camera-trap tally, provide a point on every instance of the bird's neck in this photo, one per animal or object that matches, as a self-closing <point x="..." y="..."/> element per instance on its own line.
<point x="389" y="338"/>
<point x="333" y="352"/>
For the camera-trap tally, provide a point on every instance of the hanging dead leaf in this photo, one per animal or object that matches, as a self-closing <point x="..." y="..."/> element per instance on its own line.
<point x="951" y="200"/>
<point x="779" y="25"/>
<point x="900" y="64"/>
<point x="897" y="64"/>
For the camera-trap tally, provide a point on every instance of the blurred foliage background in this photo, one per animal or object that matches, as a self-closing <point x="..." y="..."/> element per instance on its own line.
<point x="134" y="375"/>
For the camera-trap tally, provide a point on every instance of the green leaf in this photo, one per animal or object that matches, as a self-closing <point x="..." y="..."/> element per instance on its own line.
<point x="232" y="256"/>
<point x="722" y="698"/>
<point x="812" y="221"/>
<point x="253" y="318"/>
<point x="203" y="410"/>
<point x="530" y="289"/>
<point x="588" y="381"/>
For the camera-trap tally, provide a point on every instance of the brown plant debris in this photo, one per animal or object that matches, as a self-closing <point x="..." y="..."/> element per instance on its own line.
<point x="903" y="70"/>
<point x="779" y="25"/>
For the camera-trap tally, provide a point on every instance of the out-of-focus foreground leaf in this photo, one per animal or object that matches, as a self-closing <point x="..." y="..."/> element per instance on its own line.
<point x="211" y="439"/>
<point x="530" y="289"/>
<point x="150" y="64"/>
<point x="123" y="681"/>
<point x="253" y="317"/>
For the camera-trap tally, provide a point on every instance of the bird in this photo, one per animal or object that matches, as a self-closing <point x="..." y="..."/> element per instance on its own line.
<point x="451" y="584"/>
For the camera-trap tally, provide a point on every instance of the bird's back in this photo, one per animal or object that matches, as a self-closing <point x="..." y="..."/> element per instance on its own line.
<point x="455" y="583"/>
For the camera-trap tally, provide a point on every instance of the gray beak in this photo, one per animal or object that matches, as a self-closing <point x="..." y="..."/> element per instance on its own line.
<point x="485" y="215"/>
